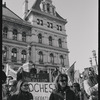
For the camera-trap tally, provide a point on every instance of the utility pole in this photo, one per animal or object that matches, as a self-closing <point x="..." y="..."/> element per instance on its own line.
<point x="95" y="57"/>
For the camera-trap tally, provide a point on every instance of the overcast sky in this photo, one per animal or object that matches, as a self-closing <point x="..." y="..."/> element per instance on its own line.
<point x="82" y="27"/>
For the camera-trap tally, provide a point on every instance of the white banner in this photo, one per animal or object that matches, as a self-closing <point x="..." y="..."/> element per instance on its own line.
<point x="41" y="90"/>
<point x="10" y="71"/>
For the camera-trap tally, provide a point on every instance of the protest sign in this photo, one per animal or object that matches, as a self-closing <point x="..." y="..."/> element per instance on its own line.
<point x="41" y="90"/>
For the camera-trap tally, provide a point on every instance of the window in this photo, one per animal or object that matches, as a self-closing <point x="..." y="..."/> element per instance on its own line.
<point x="48" y="7"/>
<point x="24" y="37"/>
<point x="5" y="54"/>
<point x="15" y="34"/>
<point x="61" y="60"/>
<point x="40" y="57"/>
<point x="23" y="54"/>
<point x="59" y="27"/>
<point x="60" y="43"/>
<point x="49" y="25"/>
<point x="5" y="30"/>
<point x="40" y="38"/>
<point x="14" y="55"/>
<point x="50" y="40"/>
<point x="40" y="22"/>
<point x="51" y="58"/>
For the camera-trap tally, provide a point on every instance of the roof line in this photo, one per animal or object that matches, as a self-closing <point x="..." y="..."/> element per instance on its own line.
<point x="12" y="12"/>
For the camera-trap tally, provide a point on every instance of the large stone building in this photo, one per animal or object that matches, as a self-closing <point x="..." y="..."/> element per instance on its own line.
<point x="41" y="28"/>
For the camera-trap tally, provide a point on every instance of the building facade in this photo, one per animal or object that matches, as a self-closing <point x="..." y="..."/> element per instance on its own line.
<point x="45" y="33"/>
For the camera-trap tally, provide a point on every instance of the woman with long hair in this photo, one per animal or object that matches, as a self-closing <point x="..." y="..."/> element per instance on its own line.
<point x="62" y="91"/>
<point x="78" y="92"/>
<point x="22" y="92"/>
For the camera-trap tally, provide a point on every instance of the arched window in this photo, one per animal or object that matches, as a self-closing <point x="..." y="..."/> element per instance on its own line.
<point x="24" y="37"/>
<point x="5" y="54"/>
<point x="50" y="40"/>
<point x="5" y="30"/>
<point x="40" y="57"/>
<point x="14" y="55"/>
<point x="61" y="60"/>
<point x="15" y="34"/>
<point x="39" y="38"/>
<point x="60" y="43"/>
<point x="48" y="7"/>
<point x="23" y="56"/>
<point x="52" y="58"/>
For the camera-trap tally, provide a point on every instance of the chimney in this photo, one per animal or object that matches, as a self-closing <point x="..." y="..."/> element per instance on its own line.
<point x="25" y="8"/>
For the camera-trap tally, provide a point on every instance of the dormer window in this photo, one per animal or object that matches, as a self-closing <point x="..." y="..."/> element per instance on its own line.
<point x="48" y="7"/>
<point x="40" y="22"/>
<point x="49" y="25"/>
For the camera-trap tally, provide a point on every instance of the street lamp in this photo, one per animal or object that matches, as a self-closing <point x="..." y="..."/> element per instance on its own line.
<point x="91" y="61"/>
<point x="94" y="55"/>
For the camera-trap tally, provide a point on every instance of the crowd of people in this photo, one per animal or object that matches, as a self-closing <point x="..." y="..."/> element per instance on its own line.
<point x="19" y="89"/>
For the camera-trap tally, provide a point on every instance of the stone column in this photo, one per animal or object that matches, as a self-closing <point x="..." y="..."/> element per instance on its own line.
<point x="19" y="55"/>
<point x="33" y="54"/>
<point x="10" y="34"/>
<point x="45" y="39"/>
<point x="19" y="36"/>
<point x="50" y="76"/>
<point x="66" y="60"/>
<point x="55" y="41"/>
<point x="9" y="53"/>
<point x="55" y="58"/>
<point x="45" y="8"/>
<point x="45" y="57"/>
<point x="28" y="38"/>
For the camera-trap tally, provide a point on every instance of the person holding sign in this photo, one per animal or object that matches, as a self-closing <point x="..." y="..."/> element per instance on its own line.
<point x="22" y="92"/>
<point x="62" y="91"/>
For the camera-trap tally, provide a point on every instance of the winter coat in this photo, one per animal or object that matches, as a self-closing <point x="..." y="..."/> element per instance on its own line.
<point x="69" y="95"/>
<point x="22" y="96"/>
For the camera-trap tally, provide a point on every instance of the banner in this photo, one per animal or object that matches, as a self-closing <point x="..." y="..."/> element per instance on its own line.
<point x="10" y="71"/>
<point x="41" y="90"/>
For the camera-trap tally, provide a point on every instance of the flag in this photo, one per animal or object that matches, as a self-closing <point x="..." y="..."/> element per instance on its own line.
<point x="76" y="76"/>
<point x="70" y="73"/>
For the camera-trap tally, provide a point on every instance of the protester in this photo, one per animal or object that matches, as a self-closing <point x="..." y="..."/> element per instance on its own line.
<point x="4" y="77"/>
<point x="22" y="92"/>
<point x="62" y="91"/>
<point x="4" y="86"/>
<point x="91" y="85"/>
<point x="78" y="92"/>
<point x="12" y="88"/>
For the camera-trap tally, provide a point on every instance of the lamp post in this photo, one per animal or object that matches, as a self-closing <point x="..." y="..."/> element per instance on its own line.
<point x="94" y="55"/>
<point x="91" y="61"/>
